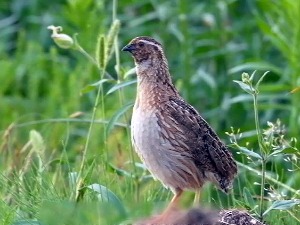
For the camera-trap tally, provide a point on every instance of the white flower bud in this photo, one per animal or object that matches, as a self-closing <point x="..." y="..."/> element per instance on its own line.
<point x="245" y="77"/>
<point x="62" y="40"/>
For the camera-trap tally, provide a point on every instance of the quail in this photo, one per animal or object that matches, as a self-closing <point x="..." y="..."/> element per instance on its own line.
<point x="175" y="143"/>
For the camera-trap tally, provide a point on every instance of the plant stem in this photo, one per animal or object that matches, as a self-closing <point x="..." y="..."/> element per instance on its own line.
<point x="101" y="69"/>
<point x="293" y="215"/>
<point x="262" y="153"/>
<point x="85" y="150"/>
<point x="258" y="130"/>
<point x="271" y="179"/>
<point x="134" y="184"/>
<point x="66" y="120"/>
<point x="262" y="188"/>
<point x="83" y="52"/>
<point x="114" y="10"/>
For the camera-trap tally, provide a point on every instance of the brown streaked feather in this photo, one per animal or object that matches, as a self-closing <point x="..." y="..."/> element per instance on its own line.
<point x="204" y="146"/>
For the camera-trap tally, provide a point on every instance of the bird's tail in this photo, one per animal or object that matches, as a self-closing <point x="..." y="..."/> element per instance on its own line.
<point x="225" y="184"/>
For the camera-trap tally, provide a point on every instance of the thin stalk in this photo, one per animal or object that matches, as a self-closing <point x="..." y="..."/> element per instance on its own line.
<point x="83" y="52"/>
<point x="101" y="69"/>
<point x="197" y="198"/>
<point x="258" y="130"/>
<point x="121" y="100"/>
<point x="103" y="115"/>
<point x="117" y="53"/>
<point x="85" y="150"/>
<point x="66" y="120"/>
<point x="131" y="152"/>
<point x="114" y="9"/>
<point x="269" y="178"/>
<point x="262" y="188"/>
<point x="293" y="215"/>
<point x="263" y="155"/>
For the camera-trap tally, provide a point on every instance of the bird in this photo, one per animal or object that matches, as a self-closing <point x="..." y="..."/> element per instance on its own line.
<point x="177" y="146"/>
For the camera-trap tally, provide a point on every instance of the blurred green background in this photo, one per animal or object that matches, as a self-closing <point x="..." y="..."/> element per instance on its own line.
<point x="208" y="44"/>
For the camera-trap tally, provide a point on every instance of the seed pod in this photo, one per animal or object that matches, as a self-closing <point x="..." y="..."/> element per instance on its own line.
<point x="62" y="40"/>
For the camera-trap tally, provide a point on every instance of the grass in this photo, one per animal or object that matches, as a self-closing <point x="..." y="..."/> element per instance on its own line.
<point x="66" y="147"/>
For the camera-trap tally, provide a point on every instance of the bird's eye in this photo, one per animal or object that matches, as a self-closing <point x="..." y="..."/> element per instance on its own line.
<point x="141" y="44"/>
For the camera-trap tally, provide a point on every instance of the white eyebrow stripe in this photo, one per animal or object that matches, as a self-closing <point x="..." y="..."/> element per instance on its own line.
<point x="151" y="43"/>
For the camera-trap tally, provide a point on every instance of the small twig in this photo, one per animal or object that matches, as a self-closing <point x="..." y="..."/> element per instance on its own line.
<point x="259" y="173"/>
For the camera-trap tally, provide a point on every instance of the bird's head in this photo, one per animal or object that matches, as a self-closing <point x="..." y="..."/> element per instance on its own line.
<point x="145" y="50"/>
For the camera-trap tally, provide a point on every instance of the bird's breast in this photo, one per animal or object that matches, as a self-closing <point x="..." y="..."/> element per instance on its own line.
<point x="147" y="141"/>
<point x="164" y="160"/>
<point x="145" y="133"/>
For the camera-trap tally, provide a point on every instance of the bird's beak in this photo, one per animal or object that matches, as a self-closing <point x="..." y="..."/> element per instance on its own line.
<point x="129" y="48"/>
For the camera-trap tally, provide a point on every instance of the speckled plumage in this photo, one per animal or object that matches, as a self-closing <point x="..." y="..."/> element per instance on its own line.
<point x="176" y="144"/>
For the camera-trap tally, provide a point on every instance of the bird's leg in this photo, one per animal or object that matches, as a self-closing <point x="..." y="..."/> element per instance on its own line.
<point x="170" y="212"/>
<point x="197" y="197"/>
<point x="173" y="206"/>
<point x="174" y="202"/>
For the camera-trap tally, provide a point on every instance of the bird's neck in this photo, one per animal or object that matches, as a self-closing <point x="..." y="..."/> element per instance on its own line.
<point x="154" y="83"/>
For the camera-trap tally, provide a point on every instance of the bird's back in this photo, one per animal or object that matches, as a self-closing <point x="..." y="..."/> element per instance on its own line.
<point x="209" y="154"/>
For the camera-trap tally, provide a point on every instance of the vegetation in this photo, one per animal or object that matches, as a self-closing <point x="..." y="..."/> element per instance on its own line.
<point x="66" y="155"/>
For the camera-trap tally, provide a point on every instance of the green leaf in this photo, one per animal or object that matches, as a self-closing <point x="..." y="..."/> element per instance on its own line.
<point x="143" y="180"/>
<point x="140" y="166"/>
<point x="261" y="79"/>
<point x="248" y="198"/>
<point x="116" y="116"/>
<point x="27" y="222"/>
<point x="120" y="85"/>
<point x="239" y="98"/>
<point x="142" y="19"/>
<point x="276" y="152"/>
<point x="73" y="178"/>
<point x="284" y="150"/>
<point x="245" y="87"/>
<point x="93" y="86"/>
<point x="129" y="72"/>
<point x="283" y="205"/>
<point x="255" y="66"/>
<point x="274" y="87"/>
<point x="249" y="152"/>
<point x="118" y="171"/>
<point x="252" y="75"/>
<point x="106" y="195"/>
<point x="290" y="150"/>
<point x="295" y="90"/>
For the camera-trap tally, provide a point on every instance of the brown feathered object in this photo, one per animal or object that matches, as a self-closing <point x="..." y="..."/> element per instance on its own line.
<point x="175" y="143"/>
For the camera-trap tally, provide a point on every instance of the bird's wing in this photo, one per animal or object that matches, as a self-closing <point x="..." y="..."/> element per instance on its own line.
<point x="194" y="137"/>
